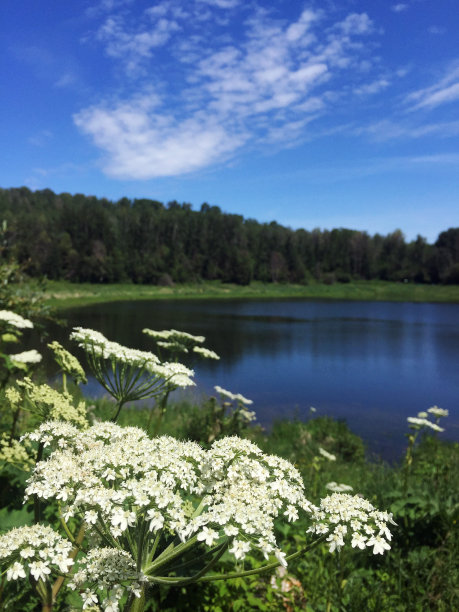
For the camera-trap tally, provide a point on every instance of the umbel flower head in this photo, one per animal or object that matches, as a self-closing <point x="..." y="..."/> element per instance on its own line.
<point x="15" y="320"/>
<point x="36" y="551"/>
<point x="68" y="362"/>
<point x="129" y="374"/>
<point x="26" y="357"/>
<point x="180" y="342"/>
<point x="164" y="511"/>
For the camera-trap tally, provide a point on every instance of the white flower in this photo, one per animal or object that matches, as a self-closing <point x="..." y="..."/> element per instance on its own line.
<point x="123" y="518"/>
<point x="280" y="556"/>
<point x="15" y="320"/>
<point x="32" y="356"/>
<point x="438" y="412"/>
<point x="239" y="549"/>
<point x="358" y="540"/>
<point x="15" y="571"/>
<point x="379" y="545"/>
<point x="209" y="536"/>
<point x="39" y="569"/>
<point x="208" y="354"/>
<point x="89" y="599"/>
<point x="326" y="454"/>
<point x="338" y="488"/>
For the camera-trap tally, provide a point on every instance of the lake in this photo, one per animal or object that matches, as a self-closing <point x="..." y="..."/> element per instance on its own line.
<point x="370" y="363"/>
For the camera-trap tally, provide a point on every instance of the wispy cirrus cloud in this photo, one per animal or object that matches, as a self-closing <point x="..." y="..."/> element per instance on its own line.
<point x="444" y="91"/>
<point x="267" y="84"/>
<point x="400" y="7"/>
<point x="388" y="129"/>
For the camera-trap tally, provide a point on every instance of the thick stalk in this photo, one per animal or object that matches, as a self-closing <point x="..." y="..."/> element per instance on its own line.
<point x="36" y="500"/>
<point x="15" y="420"/>
<point x="162" y="410"/>
<point x="60" y="581"/>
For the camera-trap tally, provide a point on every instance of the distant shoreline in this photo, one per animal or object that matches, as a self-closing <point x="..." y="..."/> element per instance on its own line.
<point x="63" y="294"/>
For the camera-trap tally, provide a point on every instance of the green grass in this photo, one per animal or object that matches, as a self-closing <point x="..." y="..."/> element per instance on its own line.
<point x="63" y="294"/>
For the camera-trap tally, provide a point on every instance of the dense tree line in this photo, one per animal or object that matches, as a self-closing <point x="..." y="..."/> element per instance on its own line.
<point x="84" y="238"/>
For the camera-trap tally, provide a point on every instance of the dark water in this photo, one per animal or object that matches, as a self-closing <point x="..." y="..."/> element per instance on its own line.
<point x="370" y="363"/>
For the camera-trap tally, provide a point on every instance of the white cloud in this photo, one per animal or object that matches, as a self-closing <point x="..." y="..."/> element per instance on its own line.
<point x="400" y="7"/>
<point x="223" y="4"/>
<point x="386" y="130"/>
<point x="373" y="87"/>
<point x="141" y="144"/>
<point x="444" y="91"/>
<point x="264" y="84"/>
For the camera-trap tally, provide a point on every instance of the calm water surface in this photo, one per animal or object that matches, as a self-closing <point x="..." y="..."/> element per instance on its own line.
<point x="371" y="363"/>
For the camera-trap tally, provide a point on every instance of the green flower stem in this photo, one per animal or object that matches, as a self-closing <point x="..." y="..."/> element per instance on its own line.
<point x="177" y="580"/>
<point x="151" y="554"/>
<point x="165" y="557"/>
<point x="60" y="581"/>
<point x="15" y="421"/>
<point x="162" y="411"/>
<point x="65" y="526"/>
<point x="140" y="547"/>
<point x="223" y="548"/>
<point x="36" y="500"/>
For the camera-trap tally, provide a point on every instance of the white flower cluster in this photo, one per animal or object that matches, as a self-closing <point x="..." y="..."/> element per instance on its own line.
<point x="423" y="422"/>
<point x="173" y="335"/>
<point x="438" y="412"/>
<point x="233" y="396"/>
<point x="336" y="487"/>
<point x="15" y="320"/>
<point x="326" y="454"/>
<point x="349" y="516"/>
<point x="206" y="353"/>
<point x="117" y="478"/>
<point x="172" y="346"/>
<point x="247" y="415"/>
<point x="109" y="572"/>
<point x="37" y="551"/>
<point x="32" y="356"/>
<point x="95" y="344"/>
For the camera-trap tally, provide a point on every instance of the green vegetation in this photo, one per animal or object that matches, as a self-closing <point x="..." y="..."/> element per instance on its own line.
<point x="106" y="509"/>
<point x="84" y="239"/>
<point x="63" y="294"/>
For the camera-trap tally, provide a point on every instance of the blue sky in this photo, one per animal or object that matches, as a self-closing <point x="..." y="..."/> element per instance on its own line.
<point x="314" y="114"/>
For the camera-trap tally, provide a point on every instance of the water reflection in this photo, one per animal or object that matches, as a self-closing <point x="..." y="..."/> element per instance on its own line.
<point x="373" y="364"/>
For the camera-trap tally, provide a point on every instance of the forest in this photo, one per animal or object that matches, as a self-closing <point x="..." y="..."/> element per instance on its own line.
<point x="87" y="239"/>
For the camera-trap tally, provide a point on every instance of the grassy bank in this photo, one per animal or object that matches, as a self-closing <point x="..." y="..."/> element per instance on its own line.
<point x="62" y="294"/>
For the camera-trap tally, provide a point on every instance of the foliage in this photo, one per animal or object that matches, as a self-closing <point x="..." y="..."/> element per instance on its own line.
<point x="157" y="523"/>
<point x="85" y="239"/>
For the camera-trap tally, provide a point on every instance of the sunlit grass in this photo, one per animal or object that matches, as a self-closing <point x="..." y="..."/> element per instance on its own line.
<point x="62" y="294"/>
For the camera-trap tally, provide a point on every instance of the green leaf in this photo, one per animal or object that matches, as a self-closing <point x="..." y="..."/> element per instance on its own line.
<point x="15" y="518"/>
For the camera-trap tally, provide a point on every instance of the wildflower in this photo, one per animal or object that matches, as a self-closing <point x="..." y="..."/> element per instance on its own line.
<point x="338" y="488"/>
<point x="239" y="549"/>
<point x="342" y="515"/>
<point x="438" y="412"/>
<point x="379" y="545"/>
<point x="15" y="571"/>
<point x="51" y="404"/>
<point x="326" y="454"/>
<point x="31" y="357"/>
<point x="422" y="422"/>
<point x="209" y="536"/>
<point x="15" y="320"/>
<point x="204" y="352"/>
<point x="36" y="550"/>
<point x="67" y="362"/>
